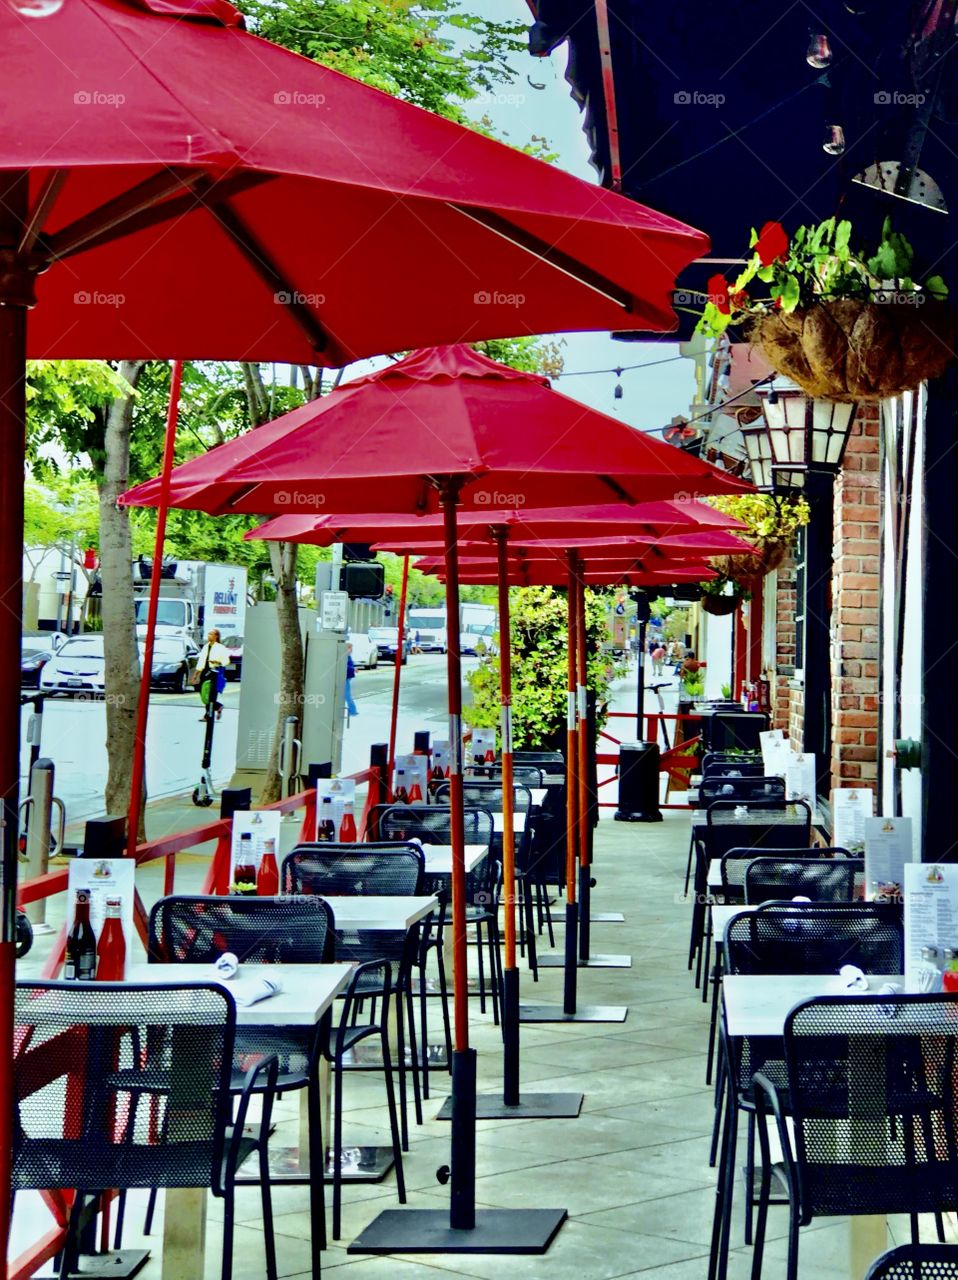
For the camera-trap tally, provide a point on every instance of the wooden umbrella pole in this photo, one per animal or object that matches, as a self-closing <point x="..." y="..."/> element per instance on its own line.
<point x="584" y="814"/>
<point x="146" y="669"/>
<point x="462" y="1207"/>
<point x="401" y="630"/>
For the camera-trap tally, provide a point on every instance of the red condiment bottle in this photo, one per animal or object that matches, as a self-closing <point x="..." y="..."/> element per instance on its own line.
<point x="267" y="877"/>
<point x="347" y="828"/>
<point x="415" y="794"/>
<point x="111" y="949"/>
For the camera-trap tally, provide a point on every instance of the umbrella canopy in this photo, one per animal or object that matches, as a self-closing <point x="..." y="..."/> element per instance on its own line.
<point x="675" y="548"/>
<point x="445" y="411"/>
<point x="203" y="193"/>
<point x="648" y="519"/>
<point x="542" y="574"/>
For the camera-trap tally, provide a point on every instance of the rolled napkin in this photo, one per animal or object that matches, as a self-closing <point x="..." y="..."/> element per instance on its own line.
<point x="889" y="989"/>
<point x="800" y="897"/>
<point x="226" y="966"/>
<point x="247" y="991"/>
<point x="853" y="977"/>
<point x="741" y="811"/>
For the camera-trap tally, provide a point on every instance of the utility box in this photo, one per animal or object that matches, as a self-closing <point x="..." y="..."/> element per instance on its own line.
<point x="638" y="783"/>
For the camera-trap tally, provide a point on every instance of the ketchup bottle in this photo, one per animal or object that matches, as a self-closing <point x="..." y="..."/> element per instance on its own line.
<point x="347" y="828"/>
<point x="111" y="949"/>
<point x="267" y="877"/>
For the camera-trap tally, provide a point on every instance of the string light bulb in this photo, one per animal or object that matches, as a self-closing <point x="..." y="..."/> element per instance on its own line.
<point x="819" y="52"/>
<point x="833" y="143"/>
<point x="35" y="8"/>
<point x="617" y="393"/>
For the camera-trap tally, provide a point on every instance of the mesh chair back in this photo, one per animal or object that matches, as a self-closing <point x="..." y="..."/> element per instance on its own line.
<point x="715" y="766"/>
<point x="121" y="1085"/>
<point x="872" y="1086"/>
<point x="198" y="929"/>
<point x="353" y="870"/>
<point x="432" y="824"/>
<point x="724" y="787"/>
<point x="763" y="826"/>
<point x="526" y="775"/>
<point x="824" y="878"/>
<point x="916" y="1262"/>
<point x="813" y="937"/>
<point x="734" y="730"/>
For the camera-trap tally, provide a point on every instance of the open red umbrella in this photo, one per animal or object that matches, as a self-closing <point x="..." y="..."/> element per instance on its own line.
<point x="432" y="432"/>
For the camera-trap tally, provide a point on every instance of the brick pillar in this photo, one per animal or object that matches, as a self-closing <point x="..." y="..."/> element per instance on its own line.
<point x="855" y="608"/>
<point x="783" y="602"/>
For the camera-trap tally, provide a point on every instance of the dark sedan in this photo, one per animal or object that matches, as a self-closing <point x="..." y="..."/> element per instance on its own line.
<point x="36" y="649"/>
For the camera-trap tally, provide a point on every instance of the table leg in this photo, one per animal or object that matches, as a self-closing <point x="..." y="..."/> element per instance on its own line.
<point x="184" y="1233"/>
<point x="868" y="1239"/>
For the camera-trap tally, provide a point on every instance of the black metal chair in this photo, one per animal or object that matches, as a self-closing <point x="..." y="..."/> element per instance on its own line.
<point x="384" y="961"/>
<point x="148" y="1072"/>
<point x="833" y="875"/>
<point x="784" y="938"/>
<point x="752" y="789"/>
<point x="727" y="730"/>
<point x="198" y="929"/>
<point x="432" y="824"/>
<point x="870" y="1088"/>
<point x="916" y="1262"/>
<point x="736" y="764"/>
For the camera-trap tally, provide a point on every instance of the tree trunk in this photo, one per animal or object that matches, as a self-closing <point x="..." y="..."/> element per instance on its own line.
<point x="289" y="700"/>
<point x="119" y="631"/>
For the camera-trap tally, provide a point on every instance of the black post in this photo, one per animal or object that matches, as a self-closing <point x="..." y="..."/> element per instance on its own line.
<point x="585" y="913"/>
<point x="379" y="763"/>
<point x="235" y="800"/>
<point x="510" y="1037"/>
<point x="571" y="957"/>
<point x="420" y="742"/>
<point x="819" y="536"/>
<point x="640" y="676"/>
<point x="462" y="1208"/>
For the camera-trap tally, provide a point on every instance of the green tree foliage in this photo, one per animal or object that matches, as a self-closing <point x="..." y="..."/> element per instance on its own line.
<point x="539" y="666"/>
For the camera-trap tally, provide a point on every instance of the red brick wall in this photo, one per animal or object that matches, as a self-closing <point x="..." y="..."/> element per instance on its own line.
<point x="855" y="608"/>
<point x="784" y="668"/>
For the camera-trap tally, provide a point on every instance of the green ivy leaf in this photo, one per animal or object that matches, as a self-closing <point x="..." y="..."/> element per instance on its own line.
<point x="936" y="286"/>
<point x="791" y="293"/>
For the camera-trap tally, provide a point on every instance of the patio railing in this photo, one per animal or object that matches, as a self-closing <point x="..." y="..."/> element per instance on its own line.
<point x="677" y="762"/>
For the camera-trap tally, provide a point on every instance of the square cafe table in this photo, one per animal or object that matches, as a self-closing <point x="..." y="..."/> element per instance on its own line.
<point x="757" y="1005"/>
<point x="308" y="992"/>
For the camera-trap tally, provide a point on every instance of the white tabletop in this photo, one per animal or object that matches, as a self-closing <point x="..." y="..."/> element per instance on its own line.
<point x="499" y="823"/>
<point x="758" y="1004"/>
<point x="308" y="989"/>
<point x="439" y="858"/>
<point x="389" y="913"/>
<point x="721" y="915"/>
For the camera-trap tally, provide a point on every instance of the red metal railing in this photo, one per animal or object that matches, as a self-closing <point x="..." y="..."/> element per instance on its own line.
<point x="676" y="761"/>
<point x="215" y="881"/>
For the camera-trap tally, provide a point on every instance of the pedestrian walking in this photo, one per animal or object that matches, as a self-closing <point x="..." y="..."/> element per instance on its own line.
<point x="350" y="674"/>
<point x="658" y="660"/>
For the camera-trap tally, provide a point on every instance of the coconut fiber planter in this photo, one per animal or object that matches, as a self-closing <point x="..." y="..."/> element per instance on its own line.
<point x="720" y="606"/>
<point x="852" y="349"/>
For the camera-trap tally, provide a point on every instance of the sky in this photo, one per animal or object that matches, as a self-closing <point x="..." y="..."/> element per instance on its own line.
<point x="651" y="397"/>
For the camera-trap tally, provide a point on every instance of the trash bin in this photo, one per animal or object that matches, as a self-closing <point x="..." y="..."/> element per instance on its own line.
<point x="638" y="783"/>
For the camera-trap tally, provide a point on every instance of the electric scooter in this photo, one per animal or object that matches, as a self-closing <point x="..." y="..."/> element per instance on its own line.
<point x="204" y="793"/>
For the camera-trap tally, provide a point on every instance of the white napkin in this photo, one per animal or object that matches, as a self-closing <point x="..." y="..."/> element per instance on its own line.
<point x="889" y="989"/>
<point x="741" y="811"/>
<point x="226" y="966"/>
<point x="853" y="977"/>
<point x="247" y="991"/>
<point x="800" y="897"/>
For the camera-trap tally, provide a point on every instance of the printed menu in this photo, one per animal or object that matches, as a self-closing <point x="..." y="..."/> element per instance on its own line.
<point x="103" y="878"/>
<point x="483" y="746"/>
<point x="800" y="776"/>
<point x="888" y="847"/>
<point x="410" y="779"/>
<point x="931" y="918"/>
<point x="851" y="806"/>
<point x="776" y="753"/>
<point x="342" y="797"/>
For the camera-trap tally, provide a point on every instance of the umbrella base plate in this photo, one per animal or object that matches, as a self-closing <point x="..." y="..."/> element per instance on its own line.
<point x="532" y="1106"/>
<point x="121" y="1264"/>
<point x="598" y="961"/>
<point x="584" y="1013"/>
<point x="428" y="1231"/>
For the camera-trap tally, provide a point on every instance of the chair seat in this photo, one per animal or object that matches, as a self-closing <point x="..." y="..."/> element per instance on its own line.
<point x="60" y="1162"/>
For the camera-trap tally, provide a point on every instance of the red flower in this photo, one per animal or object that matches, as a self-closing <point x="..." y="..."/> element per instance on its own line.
<point x="772" y="243"/>
<point x="740" y="299"/>
<point x="718" y="293"/>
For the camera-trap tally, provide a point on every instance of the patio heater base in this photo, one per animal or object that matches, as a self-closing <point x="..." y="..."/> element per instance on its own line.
<point x="120" y="1264"/>
<point x="598" y="961"/>
<point x="428" y="1231"/>
<point x="532" y="1106"/>
<point x="584" y="1013"/>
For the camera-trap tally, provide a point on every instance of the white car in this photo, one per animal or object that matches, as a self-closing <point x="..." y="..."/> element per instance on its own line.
<point x="78" y="667"/>
<point x="365" y="650"/>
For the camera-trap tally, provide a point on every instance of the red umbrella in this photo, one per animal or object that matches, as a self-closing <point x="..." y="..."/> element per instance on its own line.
<point x="648" y="519"/>
<point x="651" y="547"/>
<point x="426" y="434"/>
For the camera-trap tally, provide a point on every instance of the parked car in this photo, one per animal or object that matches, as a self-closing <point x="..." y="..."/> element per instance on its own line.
<point x="36" y="650"/>
<point x="78" y="666"/>
<point x="386" y="640"/>
<point x="476" y="640"/>
<point x="235" y="646"/>
<point x="365" y="651"/>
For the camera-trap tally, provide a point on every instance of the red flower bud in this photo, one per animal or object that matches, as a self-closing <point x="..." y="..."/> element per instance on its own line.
<point x="718" y="293"/>
<point x="740" y="299"/>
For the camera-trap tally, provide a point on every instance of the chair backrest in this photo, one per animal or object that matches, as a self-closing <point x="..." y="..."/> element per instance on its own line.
<point x="528" y="775"/>
<point x="383" y="869"/>
<point x="92" y="1042"/>
<point x="816" y="937"/>
<point x="551" y="761"/>
<point x="716" y="767"/>
<point x="432" y="824"/>
<point x="757" y="789"/>
<point x="769" y="825"/>
<point x="726" y="730"/>
<point x="196" y="929"/>
<point x="871" y="1082"/>
<point x="916" y="1262"/>
<point x="487" y="794"/>
<point x="831" y="876"/>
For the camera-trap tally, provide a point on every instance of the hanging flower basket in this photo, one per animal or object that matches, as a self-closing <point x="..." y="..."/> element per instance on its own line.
<point x="720" y="606"/>
<point x="854" y="349"/>
<point x="748" y="570"/>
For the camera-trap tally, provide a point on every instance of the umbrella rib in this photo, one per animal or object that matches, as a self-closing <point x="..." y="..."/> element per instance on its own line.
<point x="622" y="494"/>
<point x="262" y="263"/>
<point x="548" y="253"/>
<point x="103" y="223"/>
<point x="37" y="216"/>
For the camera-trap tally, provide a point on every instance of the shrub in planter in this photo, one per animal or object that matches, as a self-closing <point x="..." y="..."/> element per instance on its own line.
<point x="843" y="323"/>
